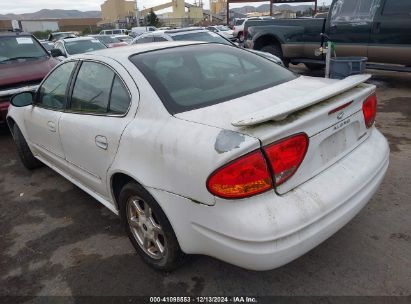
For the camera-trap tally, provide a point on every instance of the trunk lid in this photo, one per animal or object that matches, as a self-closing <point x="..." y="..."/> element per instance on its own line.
<point x="304" y="105"/>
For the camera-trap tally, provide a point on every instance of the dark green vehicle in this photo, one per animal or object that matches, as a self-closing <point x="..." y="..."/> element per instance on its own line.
<point x="377" y="29"/>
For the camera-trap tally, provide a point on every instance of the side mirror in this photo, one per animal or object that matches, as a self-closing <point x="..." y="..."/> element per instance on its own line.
<point x="22" y="99"/>
<point x="56" y="53"/>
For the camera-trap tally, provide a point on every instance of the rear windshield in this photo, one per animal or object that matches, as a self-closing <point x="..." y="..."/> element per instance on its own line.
<point x="198" y="76"/>
<point x="205" y="36"/>
<point x="83" y="46"/>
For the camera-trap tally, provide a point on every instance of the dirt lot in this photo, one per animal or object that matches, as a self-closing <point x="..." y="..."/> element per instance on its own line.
<point x="57" y="240"/>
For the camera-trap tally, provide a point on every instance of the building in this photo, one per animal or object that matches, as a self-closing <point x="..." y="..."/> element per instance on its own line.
<point x="218" y="6"/>
<point x="114" y="10"/>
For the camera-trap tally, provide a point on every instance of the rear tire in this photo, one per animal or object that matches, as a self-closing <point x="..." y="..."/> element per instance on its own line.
<point x="314" y="66"/>
<point x="25" y="154"/>
<point x="276" y="50"/>
<point x="149" y="229"/>
<point x="240" y="37"/>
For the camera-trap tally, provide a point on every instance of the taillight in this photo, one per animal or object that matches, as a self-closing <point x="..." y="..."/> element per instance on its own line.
<point x="369" y="109"/>
<point x="286" y="155"/>
<point x="244" y="177"/>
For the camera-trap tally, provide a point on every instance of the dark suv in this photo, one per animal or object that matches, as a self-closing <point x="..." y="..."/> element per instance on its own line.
<point x="23" y="64"/>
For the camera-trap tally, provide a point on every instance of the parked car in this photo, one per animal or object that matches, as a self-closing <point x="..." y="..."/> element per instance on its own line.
<point x="23" y="64"/>
<point x="71" y="46"/>
<point x="376" y="29"/>
<point x="223" y="31"/>
<point x="195" y="34"/>
<point x="109" y="40"/>
<point x="60" y="35"/>
<point x="238" y="28"/>
<point x="114" y="32"/>
<point x="207" y="149"/>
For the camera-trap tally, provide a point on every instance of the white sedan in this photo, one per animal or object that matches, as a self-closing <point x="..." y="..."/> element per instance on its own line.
<point x="207" y="148"/>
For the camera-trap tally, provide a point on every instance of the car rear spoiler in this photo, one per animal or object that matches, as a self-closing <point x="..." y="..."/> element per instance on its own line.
<point x="283" y="110"/>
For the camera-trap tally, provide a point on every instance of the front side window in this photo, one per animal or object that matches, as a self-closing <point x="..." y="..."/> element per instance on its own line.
<point x="52" y="93"/>
<point x="354" y="11"/>
<point x="197" y="76"/>
<point x="397" y="7"/>
<point x="99" y="90"/>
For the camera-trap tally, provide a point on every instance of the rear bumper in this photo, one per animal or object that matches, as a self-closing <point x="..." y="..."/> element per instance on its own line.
<point x="268" y="231"/>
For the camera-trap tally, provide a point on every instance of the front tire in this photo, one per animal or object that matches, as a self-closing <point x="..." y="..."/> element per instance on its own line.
<point x="148" y="228"/>
<point x="23" y="149"/>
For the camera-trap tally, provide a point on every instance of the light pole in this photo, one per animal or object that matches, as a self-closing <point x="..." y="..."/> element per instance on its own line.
<point x="137" y="15"/>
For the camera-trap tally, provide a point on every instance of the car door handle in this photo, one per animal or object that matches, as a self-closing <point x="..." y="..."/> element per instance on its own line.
<point x="52" y="126"/>
<point x="101" y="142"/>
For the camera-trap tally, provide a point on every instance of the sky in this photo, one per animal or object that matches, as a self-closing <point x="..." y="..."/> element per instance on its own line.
<point x="30" y="6"/>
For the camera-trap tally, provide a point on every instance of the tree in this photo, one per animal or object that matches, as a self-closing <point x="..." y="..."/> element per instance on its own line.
<point x="152" y="19"/>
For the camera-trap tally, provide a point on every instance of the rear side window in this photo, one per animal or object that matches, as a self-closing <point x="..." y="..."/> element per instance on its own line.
<point x="197" y="76"/>
<point x="239" y="22"/>
<point x="52" y="93"/>
<point x="119" y="99"/>
<point x="159" y="39"/>
<point x="99" y="90"/>
<point x="397" y="7"/>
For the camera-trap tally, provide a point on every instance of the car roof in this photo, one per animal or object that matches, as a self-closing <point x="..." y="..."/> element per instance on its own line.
<point x="122" y="54"/>
<point x="186" y="29"/>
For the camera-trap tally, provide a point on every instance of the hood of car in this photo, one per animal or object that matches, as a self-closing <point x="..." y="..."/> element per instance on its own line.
<point x="25" y="71"/>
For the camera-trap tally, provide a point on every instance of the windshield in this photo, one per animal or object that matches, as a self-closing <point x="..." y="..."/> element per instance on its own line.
<point x="197" y="76"/>
<point x="20" y="47"/>
<point x="83" y="46"/>
<point x="222" y="28"/>
<point x="202" y="36"/>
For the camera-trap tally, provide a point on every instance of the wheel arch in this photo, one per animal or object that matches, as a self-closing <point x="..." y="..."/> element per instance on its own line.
<point x="11" y="123"/>
<point x="266" y="39"/>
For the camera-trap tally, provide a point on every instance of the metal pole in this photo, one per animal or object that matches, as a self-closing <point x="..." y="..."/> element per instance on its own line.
<point x="211" y="13"/>
<point x="228" y="11"/>
<point x="137" y="15"/>
<point x="315" y="8"/>
<point x="271" y="7"/>
<point x="328" y="59"/>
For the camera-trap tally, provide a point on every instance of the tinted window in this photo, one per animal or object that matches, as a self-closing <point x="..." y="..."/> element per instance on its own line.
<point x="83" y="46"/>
<point x="201" y="36"/>
<point x="53" y="90"/>
<point x="119" y="99"/>
<point x="397" y="7"/>
<point x="159" y="39"/>
<point x="196" y="76"/>
<point x="91" y="91"/>
<point x="354" y="10"/>
<point x="239" y="22"/>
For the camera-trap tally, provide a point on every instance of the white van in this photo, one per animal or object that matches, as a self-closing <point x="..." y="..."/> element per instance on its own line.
<point x="114" y="32"/>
